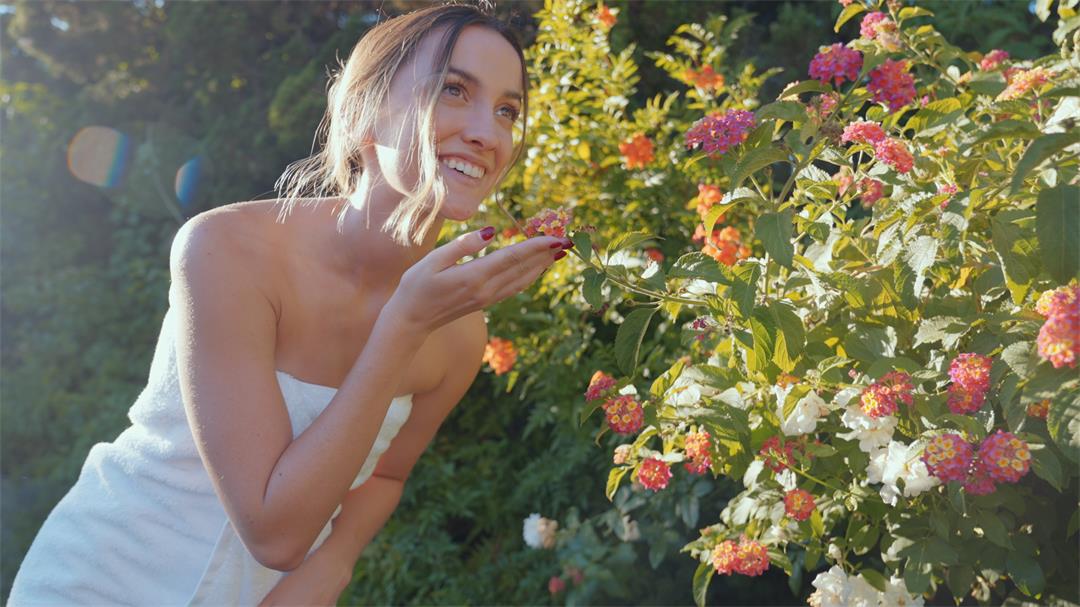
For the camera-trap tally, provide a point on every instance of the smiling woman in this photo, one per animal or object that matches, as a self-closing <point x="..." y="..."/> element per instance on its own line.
<point x="238" y="482"/>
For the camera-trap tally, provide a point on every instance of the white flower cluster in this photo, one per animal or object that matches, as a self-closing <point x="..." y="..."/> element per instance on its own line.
<point x="897" y="461"/>
<point x="539" y="532"/>
<point x="837" y="589"/>
<point x="804" y="417"/>
<point x="688" y="389"/>
<point x="872" y="433"/>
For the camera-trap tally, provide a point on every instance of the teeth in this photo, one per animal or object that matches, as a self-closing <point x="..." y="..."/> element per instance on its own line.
<point x="465" y="167"/>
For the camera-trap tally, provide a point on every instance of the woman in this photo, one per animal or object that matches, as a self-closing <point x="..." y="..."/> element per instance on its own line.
<point x="240" y="483"/>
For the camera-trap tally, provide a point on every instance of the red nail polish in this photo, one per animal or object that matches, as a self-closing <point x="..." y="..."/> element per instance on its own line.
<point x="560" y="255"/>
<point x="487" y="233"/>
<point x="556" y="245"/>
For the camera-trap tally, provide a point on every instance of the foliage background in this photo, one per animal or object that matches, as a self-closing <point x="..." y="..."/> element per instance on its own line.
<point x="241" y="86"/>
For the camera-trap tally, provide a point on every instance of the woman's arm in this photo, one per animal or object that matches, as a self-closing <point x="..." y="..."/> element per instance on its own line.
<point x="325" y="574"/>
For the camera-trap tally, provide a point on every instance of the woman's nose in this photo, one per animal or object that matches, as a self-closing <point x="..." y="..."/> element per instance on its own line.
<point x="481" y="130"/>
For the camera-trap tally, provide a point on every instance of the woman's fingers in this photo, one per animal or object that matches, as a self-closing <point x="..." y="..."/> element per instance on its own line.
<point x="450" y="253"/>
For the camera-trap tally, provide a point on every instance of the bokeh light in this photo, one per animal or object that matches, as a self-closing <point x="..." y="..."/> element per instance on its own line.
<point x="99" y="155"/>
<point x="188" y="180"/>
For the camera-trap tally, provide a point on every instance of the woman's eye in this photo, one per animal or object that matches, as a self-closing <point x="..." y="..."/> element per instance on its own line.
<point x="454" y="87"/>
<point x="511" y="112"/>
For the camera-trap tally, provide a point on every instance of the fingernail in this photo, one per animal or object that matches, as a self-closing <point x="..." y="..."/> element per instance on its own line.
<point x="556" y="245"/>
<point x="568" y="244"/>
<point x="487" y="233"/>
<point x="560" y="255"/>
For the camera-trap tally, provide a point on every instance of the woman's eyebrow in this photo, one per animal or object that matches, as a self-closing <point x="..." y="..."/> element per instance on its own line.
<point x="474" y="81"/>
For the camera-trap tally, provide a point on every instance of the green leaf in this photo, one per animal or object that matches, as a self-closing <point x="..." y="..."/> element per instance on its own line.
<point x="932" y="550"/>
<point x="702" y="577"/>
<point x="698" y="265"/>
<point x="917" y="576"/>
<point x="1040" y="150"/>
<point x="627" y="240"/>
<point x="994" y="529"/>
<point x="1016" y="252"/>
<point x="1026" y="573"/>
<point x="583" y="244"/>
<point x="791" y="111"/>
<point x="806" y="86"/>
<point x="945" y="329"/>
<point x="1020" y="357"/>
<point x="763" y="332"/>
<point x="744" y="290"/>
<point x="628" y="339"/>
<point x="591" y="289"/>
<point x="774" y="231"/>
<point x="1048" y="467"/>
<point x="1057" y="223"/>
<point x="910" y="12"/>
<point x="755" y="160"/>
<point x="1019" y="129"/>
<point x="959" y="579"/>
<point x="790" y="336"/>
<point x="920" y="255"/>
<point x="613" y="479"/>
<point x="849" y="11"/>
<point x="1063" y="422"/>
<point x="874" y="578"/>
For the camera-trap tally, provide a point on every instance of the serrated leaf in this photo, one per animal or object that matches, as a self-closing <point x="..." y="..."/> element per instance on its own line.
<point x="1047" y="467"/>
<point x="628" y="339"/>
<point x="628" y="240"/>
<point x="945" y="329"/>
<point x="919" y="256"/>
<point x="1026" y="573"/>
<point x="583" y="245"/>
<point x="791" y="111"/>
<point x="1020" y="129"/>
<point x="613" y="479"/>
<point x="1020" y="358"/>
<point x="755" y="160"/>
<point x="702" y="576"/>
<point x="1040" y="150"/>
<point x="744" y="289"/>
<point x="1057" y="224"/>
<point x="697" y="265"/>
<point x="774" y="230"/>
<point x="849" y="11"/>
<point x="591" y="288"/>
<point x="1016" y="253"/>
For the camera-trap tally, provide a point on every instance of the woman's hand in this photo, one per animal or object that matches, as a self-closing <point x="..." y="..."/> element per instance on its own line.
<point x="319" y="580"/>
<point x="437" y="289"/>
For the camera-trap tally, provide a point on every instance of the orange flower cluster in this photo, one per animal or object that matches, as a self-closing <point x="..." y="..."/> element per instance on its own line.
<point x="707" y="196"/>
<point x="637" y="151"/>
<point x="605" y="16"/>
<point x="747" y="557"/>
<point x="500" y="355"/>
<point x="1040" y="409"/>
<point x="799" y="504"/>
<point x="725" y="246"/>
<point x="705" y="79"/>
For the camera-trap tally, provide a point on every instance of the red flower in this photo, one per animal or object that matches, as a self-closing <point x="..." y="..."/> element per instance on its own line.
<point x="705" y="79"/>
<point x="891" y="84"/>
<point x="971" y="372"/>
<point x="556" y="585"/>
<point x="725" y="557"/>
<point x="962" y="402"/>
<point x="654" y="474"/>
<point x="876" y="23"/>
<point x="655" y="254"/>
<point x="637" y="152"/>
<point x="836" y="63"/>
<point x="993" y="60"/>
<point x="776" y="456"/>
<point x="605" y="16"/>
<point x="500" y="355"/>
<point x="1059" y="337"/>
<point x="599" y="385"/>
<point x="978" y="483"/>
<point x="799" y="504"/>
<point x="549" y="222"/>
<point x="870" y="190"/>
<point x="1040" y="409"/>
<point x="753" y="558"/>
<point x="863" y="131"/>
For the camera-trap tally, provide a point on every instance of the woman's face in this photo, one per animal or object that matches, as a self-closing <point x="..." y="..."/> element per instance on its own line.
<point x="474" y="118"/>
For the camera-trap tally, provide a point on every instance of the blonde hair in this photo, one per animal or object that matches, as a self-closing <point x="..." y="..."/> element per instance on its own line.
<point x="357" y="94"/>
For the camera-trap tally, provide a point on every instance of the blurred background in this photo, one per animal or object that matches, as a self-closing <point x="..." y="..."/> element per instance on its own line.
<point x="120" y="120"/>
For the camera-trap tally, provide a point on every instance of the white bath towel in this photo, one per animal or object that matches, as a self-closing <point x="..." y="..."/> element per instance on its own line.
<point x="143" y="525"/>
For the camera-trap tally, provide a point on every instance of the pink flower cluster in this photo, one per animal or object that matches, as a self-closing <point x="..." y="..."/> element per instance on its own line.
<point x="870" y="191"/>
<point x="624" y="414"/>
<point x="654" y="474"/>
<point x="1022" y="81"/>
<point x="1059" y="337"/>
<point x="863" y="131"/>
<point x="600" y="384"/>
<point x="715" y="134"/>
<point x="1004" y="457"/>
<point x="697" y="449"/>
<point x="880" y="398"/>
<point x="894" y="153"/>
<point x="891" y="84"/>
<point x="779" y="455"/>
<point x="746" y="557"/>
<point x="992" y="60"/>
<point x="948" y="457"/>
<point x="549" y="222"/>
<point x="874" y="24"/>
<point x="799" y="504"/>
<point x="970" y="374"/>
<point x="836" y="63"/>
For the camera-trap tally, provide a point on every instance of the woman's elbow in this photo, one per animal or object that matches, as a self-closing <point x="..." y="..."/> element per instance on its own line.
<point x="278" y="554"/>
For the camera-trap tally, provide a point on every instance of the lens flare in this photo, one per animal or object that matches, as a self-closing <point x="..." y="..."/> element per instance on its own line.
<point x="99" y="155"/>
<point x="188" y="179"/>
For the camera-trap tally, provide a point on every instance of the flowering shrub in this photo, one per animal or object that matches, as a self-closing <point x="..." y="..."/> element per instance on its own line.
<point x="857" y="345"/>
